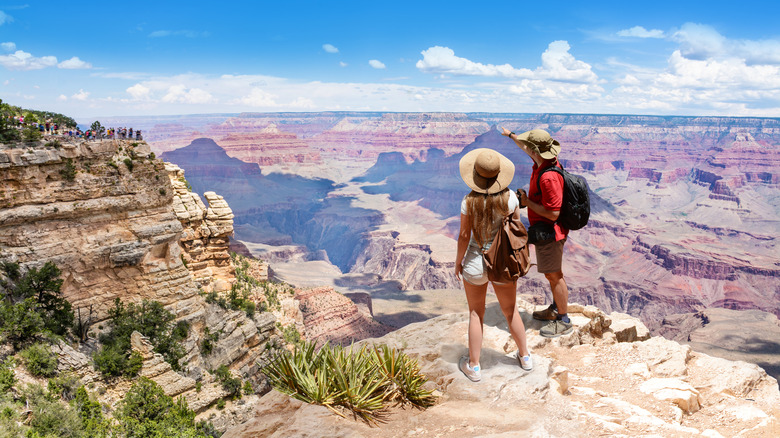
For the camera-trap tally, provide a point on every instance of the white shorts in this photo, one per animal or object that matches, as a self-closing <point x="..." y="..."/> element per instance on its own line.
<point x="474" y="267"/>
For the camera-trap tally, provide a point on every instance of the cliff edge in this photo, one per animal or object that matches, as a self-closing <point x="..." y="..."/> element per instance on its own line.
<point x="607" y="378"/>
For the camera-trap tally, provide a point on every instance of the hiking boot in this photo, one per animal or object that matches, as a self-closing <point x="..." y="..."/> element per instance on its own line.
<point x="556" y="328"/>
<point x="526" y="362"/>
<point x="548" y="314"/>
<point x="474" y="373"/>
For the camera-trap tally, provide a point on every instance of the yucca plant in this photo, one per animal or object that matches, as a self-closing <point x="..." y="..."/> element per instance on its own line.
<point x="362" y="381"/>
<point x="405" y="383"/>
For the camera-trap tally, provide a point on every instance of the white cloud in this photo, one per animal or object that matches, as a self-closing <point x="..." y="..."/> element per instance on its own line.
<point x="330" y="48"/>
<point x="179" y="93"/>
<point x="62" y="97"/>
<point x="74" y="64"/>
<point x="139" y="92"/>
<point x="698" y="41"/>
<point x="8" y="47"/>
<point x="21" y="60"/>
<point x="559" y="65"/>
<point x="343" y="64"/>
<point x="81" y="95"/>
<point x="376" y="64"/>
<point x="257" y="98"/>
<point x="439" y="59"/>
<point x="641" y="32"/>
<point x="5" y="18"/>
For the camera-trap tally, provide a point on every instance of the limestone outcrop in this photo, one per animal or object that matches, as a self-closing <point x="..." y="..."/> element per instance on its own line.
<point x="206" y="233"/>
<point x="121" y="224"/>
<point x="586" y="383"/>
<point x="101" y="211"/>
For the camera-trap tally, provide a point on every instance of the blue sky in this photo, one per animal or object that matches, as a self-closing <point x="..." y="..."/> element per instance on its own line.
<point x="91" y="59"/>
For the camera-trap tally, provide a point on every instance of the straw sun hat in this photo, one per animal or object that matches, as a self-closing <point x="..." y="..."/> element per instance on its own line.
<point x="486" y="171"/>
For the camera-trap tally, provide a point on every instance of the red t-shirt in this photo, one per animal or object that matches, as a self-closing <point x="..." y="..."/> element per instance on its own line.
<point x="551" y="197"/>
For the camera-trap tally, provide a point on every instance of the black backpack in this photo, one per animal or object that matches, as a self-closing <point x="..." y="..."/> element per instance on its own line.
<point x="575" y="209"/>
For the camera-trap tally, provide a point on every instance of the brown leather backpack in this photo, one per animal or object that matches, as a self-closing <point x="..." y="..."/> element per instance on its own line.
<point x="508" y="258"/>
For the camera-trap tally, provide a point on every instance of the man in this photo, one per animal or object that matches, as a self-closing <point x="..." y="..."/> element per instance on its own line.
<point x="544" y="205"/>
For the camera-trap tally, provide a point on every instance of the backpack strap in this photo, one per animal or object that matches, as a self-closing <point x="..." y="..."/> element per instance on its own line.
<point x="554" y="167"/>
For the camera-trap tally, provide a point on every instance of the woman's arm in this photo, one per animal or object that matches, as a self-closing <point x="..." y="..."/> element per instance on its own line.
<point x="463" y="243"/>
<point x="534" y="156"/>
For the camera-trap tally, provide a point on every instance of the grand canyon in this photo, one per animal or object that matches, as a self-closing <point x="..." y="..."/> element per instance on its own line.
<point x="354" y="215"/>
<point x="685" y="210"/>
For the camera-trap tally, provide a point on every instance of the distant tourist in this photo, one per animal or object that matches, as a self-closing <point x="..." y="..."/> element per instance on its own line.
<point x="488" y="174"/>
<point x="543" y="209"/>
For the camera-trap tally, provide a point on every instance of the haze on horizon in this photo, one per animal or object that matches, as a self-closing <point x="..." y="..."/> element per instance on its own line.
<point x="98" y="59"/>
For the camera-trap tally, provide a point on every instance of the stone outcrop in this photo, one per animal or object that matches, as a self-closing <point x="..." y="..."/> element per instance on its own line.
<point x="110" y="227"/>
<point x="120" y="224"/>
<point x="329" y="316"/>
<point x="206" y="233"/>
<point x="582" y="384"/>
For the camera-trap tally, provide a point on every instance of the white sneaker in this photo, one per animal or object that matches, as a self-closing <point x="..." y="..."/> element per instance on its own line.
<point x="526" y="362"/>
<point x="474" y="373"/>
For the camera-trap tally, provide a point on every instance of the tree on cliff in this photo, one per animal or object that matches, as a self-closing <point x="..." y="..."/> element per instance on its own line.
<point x="8" y="133"/>
<point x="32" y="304"/>
<point x="150" y="319"/>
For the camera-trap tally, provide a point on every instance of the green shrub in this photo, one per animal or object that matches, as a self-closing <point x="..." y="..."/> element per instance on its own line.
<point x="147" y="412"/>
<point x="208" y="341"/>
<point x="363" y="381"/>
<point x="248" y="389"/>
<point x="65" y="386"/>
<point x="129" y="163"/>
<point x="30" y="133"/>
<point x="39" y="360"/>
<point x="53" y="144"/>
<point x="32" y="304"/>
<point x="50" y="417"/>
<point x="69" y="171"/>
<point x="232" y="385"/>
<point x="7" y="375"/>
<point x="91" y="414"/>
<point x="151" y="320"/>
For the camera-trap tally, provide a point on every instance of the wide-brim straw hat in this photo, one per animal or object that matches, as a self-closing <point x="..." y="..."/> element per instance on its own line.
<point x="548" y="147"/>
<point x="486" y="171"/>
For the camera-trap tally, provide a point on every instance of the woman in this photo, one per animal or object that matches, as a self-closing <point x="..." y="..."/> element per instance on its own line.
<point x="488" y="174"/>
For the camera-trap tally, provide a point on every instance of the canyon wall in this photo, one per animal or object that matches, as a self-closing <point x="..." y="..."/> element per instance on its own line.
<point x="684" y="214"/>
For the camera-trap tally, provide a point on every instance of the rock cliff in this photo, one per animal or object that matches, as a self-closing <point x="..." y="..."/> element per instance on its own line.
<point x="121" y="224"/>
<point x="607" y="378"/>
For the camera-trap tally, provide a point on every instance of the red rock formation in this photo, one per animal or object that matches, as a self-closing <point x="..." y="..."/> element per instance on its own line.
<point x="331" y="316"/>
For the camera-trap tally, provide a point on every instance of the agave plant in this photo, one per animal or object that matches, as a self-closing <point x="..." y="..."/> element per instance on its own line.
<point x="405" y="383"/>
<point x="361" y="381"/>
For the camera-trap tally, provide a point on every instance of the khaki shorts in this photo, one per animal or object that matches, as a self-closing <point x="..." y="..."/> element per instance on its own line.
<point x="549" y="256"/>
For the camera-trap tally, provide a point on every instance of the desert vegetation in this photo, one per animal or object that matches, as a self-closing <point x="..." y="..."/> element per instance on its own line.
<point x="364" y="380"/>
<point x="151" y="319"/>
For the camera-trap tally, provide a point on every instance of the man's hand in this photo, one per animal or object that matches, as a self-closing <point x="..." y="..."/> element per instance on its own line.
<point x="522" y="196"/>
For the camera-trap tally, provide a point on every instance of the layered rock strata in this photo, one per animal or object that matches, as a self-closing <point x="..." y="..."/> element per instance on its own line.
<point x="206" y="233"/>
<point x="101" y="211"/>
<point x="329" y="316"/>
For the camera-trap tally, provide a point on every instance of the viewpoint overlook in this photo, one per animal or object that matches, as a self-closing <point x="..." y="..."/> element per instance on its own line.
<point x="341" y="227"/>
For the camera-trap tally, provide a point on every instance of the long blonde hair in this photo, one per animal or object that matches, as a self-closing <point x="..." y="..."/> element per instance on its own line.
<point x="483" y="209"/>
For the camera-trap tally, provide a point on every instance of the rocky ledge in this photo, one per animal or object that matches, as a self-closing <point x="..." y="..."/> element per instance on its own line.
<point x="608" y="377"/>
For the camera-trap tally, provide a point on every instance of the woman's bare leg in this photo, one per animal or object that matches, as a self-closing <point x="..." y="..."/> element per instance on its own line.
<point x="476" y="299"/>
<point x="507" y="299"/>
